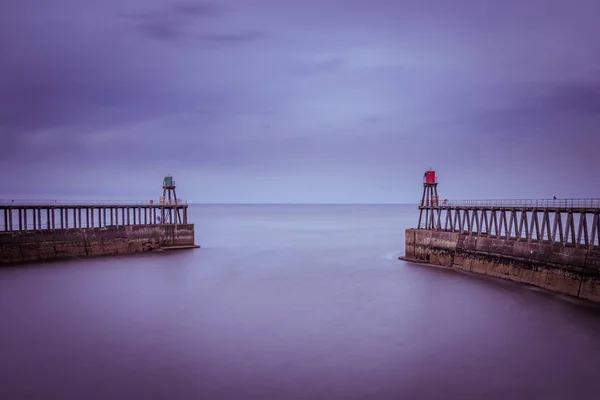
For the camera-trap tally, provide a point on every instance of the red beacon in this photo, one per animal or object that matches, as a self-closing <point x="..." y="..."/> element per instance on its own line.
<point x="430" y="198"/>
<point x="430" y="195"/>
<point x="430" y="177"/>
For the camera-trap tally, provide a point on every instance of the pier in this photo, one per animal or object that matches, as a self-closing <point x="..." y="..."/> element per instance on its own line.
<point x="549" y="243"/>
<point x="39" y="215"/>
<point x="39" y="230"/>
<point x="570" y="222"/>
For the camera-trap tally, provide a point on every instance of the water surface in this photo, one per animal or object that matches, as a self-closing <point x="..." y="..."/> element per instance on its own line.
<point x="289" y="302"/>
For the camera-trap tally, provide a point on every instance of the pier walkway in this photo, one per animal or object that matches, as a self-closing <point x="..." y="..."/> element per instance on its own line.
<point x="570" y="222"/>
<point x="39" y="215"/>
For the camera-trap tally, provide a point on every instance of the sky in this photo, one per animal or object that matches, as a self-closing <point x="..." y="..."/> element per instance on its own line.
<point x="311" y="101"/>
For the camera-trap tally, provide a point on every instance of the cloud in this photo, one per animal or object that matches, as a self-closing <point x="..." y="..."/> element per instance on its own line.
<point x="187" y="23"/>
<point x="318" y="90"/>
<point x="324" y="65"/>
<point x="173" y="21"/>
<point x="231" y="38"/>
<point x="533" y="109"/>
<point x="576" y="99"/>
<point x="197" y="8"/>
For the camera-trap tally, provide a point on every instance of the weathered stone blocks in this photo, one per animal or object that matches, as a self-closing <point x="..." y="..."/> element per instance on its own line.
<point x="563" y="269"/>
<point x="19" y="247"/>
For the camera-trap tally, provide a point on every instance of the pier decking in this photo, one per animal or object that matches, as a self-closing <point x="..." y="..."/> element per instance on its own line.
<point x="574" y="222"/>
<point x="42" y="215"/>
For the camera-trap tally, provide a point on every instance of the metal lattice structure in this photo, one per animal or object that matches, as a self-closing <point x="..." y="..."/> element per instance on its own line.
<point x="40" y="217"/>
<point x="573" y="222"/>
<point x="569" y="222"/>
<point x="169" y="198"/>
<point x="22" y="215"/>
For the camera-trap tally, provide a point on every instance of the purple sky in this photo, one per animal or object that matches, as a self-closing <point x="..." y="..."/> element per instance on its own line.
<point x="299" y="101"/>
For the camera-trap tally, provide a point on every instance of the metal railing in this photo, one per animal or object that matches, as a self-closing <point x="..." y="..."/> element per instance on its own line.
<point x="523" y="203"/>
<point x="83" y="203"/>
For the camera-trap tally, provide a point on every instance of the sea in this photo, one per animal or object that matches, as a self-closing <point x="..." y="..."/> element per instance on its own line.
<point x="288" y="302"/>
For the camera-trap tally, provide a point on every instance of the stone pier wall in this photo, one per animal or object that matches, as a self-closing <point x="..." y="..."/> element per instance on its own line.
<point x="570" y="270"/>
<point x="22" y="247"/>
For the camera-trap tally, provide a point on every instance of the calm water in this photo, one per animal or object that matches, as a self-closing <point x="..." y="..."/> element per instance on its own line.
<point x="288" y="302"/>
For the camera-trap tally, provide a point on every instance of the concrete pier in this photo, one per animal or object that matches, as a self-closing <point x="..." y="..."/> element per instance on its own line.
<point x="553" y="244"/>
<point x="45" y="216"/>
<point x="51" y="230"/>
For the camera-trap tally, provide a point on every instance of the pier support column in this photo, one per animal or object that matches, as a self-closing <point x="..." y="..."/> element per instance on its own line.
<point x="92" y="214"/>
<point x="25" y="219"/>
<point x="34" y="220"/>
<point x="79" y="217"/>
<point x="128" y="216"/>
<point x="145" y="215"/>
<point x="39" y="219"/>
<point x="66" y="218"/>
<point x="52" y="216"/>
<point x="185" y="215"/>
<point x="62" y="218"/>
<point x="10" y="222"/>
<point x="110" y="210"/>
<point x="134" y="219"/>
<point x="5" y="220"/>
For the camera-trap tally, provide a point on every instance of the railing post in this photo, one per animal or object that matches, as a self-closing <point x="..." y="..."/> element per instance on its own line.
<point x="34" y="219"/>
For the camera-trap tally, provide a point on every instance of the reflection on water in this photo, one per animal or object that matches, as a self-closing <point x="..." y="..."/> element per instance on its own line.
<point x="288" y="302"/>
